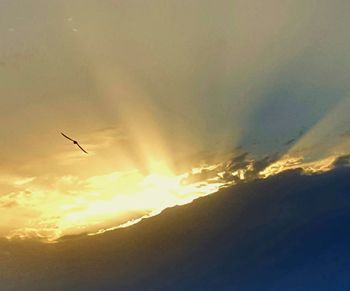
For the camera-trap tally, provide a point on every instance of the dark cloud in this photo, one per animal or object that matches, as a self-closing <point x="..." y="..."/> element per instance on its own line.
<point x="290" y="142"/>
<point x="342" y="161"/>
<point x="238" y="162"/>
<point x="262" y="164"/>
<point x="250" y="165"/>
<point x="241" y="168"/>
<point x="288" y="232"/>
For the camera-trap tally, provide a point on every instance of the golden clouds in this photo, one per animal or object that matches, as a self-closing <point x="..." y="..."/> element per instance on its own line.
<point x="71" y="205"/>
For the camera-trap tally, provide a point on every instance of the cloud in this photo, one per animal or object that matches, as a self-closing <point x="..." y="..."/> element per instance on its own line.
<point x="8" y="204"/>
<point x="289" y="142"/>
<point x="241" y="168"/>
<point x="162" y="90"/>
<point x="342" y="161"/>
<point x="345" y="134"/>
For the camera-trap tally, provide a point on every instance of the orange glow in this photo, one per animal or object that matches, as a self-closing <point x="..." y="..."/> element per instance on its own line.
<point x="291" y="163"/>
<point x="119" y="199"/>
<point x="98" y="203"/>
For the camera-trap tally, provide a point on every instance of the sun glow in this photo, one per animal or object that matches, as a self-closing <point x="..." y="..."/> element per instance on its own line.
<point x="122" y="198"/>
<point x="98" y="203"/>
<point x="142" y="179"/>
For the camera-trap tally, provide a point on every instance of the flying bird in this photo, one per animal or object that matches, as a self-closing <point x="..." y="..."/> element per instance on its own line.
<point x="75" y="142"/>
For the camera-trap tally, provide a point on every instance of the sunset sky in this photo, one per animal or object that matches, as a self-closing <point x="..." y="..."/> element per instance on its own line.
<point x="164" y="95"/>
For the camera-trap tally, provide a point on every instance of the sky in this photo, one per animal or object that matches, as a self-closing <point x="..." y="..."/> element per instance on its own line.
<point x="289" y="232"/>
<point x="157" y="92"/>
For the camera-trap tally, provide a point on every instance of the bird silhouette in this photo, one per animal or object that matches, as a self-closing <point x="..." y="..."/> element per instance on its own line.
<point x="74" y="142"/>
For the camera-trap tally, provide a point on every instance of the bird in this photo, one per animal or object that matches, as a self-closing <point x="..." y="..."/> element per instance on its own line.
<point x="75" y="142"/>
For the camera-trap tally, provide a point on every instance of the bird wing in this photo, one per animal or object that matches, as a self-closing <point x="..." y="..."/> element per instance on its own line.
<point x="67" y="137"/>
<point x="81" y="148"/>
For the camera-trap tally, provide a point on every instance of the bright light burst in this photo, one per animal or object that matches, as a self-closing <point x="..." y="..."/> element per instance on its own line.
<point x="120" y="199"/>
<point x="98" y="203"/>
